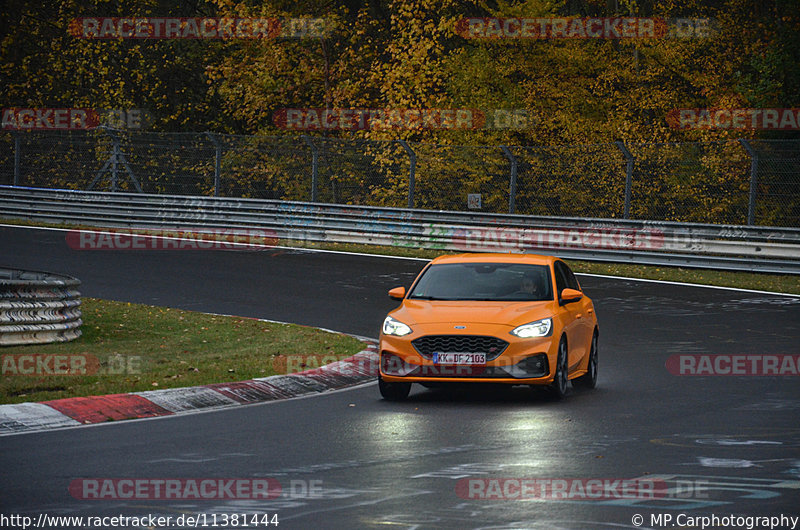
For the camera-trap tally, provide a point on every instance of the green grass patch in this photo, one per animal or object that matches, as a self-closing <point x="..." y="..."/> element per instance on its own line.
<point x="139" y="347"/>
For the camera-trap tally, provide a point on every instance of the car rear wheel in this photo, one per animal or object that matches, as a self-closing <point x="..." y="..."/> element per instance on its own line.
<point x="394" y="391"/>
<point x="589" y="379"/>
<point x="559" y="385"/>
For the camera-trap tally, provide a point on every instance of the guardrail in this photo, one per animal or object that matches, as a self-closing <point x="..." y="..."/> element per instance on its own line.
<point x="729" y="247"/>
<point x="38" y="307"/>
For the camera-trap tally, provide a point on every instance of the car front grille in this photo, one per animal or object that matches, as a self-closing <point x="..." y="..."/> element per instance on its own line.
<point x="491" y="346"/>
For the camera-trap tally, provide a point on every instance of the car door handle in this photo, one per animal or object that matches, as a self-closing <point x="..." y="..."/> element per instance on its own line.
<point x="579" y="315"/>
<point x="590" y="311"/>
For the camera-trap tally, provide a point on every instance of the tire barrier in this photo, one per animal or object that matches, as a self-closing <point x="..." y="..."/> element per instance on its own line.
<point x="38" y="307"/>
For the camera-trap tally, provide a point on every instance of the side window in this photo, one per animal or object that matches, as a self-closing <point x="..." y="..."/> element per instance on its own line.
<point x="572" y="281"/>
<point x="561" y="280"/>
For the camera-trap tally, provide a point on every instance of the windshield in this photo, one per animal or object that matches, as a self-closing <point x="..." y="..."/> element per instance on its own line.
<point x="484" y="282"/>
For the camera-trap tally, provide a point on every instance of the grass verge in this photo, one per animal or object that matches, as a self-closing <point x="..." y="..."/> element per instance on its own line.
<point x="134" y="347"/>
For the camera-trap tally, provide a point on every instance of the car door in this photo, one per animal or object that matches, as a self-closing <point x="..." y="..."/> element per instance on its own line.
<point x="583" y="310"/>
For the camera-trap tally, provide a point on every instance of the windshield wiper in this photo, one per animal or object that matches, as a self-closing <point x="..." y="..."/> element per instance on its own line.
<point x="459" y="299"/>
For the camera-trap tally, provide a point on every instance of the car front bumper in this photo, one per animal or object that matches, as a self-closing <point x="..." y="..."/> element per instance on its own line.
<point x="523" y="362"/>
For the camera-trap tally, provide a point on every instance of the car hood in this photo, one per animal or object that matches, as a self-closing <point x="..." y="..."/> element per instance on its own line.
<point x="467" y="312"/>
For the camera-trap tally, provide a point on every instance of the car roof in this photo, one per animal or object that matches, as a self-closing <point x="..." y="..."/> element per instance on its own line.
<point x="530" y="259"/>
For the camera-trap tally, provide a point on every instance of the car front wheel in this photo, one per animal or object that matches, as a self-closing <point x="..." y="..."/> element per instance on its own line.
<point x="559" y="385"/>
<point x="393" y="391"/>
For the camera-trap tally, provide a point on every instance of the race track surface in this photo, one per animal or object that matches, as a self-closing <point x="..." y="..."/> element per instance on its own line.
<point x="715" y="445"/>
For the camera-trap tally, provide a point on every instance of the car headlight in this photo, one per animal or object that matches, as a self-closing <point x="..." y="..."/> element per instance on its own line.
<point x="395" y="327"/>
<point x="540" y="328"/>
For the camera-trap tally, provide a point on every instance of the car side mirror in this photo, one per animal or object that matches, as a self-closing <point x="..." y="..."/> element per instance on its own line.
<point x="570" y="295"/>
<point x="398" y="293"/>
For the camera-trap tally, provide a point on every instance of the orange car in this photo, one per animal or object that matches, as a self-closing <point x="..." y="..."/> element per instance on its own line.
<point x="490" y="318"/>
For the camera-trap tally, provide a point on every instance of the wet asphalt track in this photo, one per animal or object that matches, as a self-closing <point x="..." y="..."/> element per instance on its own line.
<point x="396" y="465"/>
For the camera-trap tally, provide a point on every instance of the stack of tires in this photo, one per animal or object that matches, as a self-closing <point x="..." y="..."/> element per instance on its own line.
<point x="38" y="307"/>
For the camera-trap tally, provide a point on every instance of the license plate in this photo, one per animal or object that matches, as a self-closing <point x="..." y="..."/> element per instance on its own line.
<point x="459" y="358"/>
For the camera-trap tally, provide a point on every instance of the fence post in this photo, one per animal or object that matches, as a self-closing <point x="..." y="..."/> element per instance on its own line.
<point x="115" y="152"/>
<point x="314" y="166"/>
<point x="217" y="162"/>
<point x="113" y="163"/>
<point x="412" y="156"/>
<point x="17" y="156"/>
<point x="751" y="204"/>
<point x="512" y="185"/>
<point x="628" y="178"/>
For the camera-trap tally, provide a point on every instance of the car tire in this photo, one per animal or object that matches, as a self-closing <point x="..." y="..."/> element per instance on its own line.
<point x="589" y="379"/>
<point x="393" y="391"/>
<point x="560" y="384"/>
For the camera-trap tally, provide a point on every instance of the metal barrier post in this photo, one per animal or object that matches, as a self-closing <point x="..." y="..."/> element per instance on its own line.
<point x="412" y="156"/>
<point x="217" y="162"/>
<point x="116" y="157"/>
<point x="512" y="186"/>
<point x="17" y="148"/>
<point x="115" y="152"/>
<point x="628" y="178"/>
<point x="314" y="166"/>
<point x="751" y="204"/>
